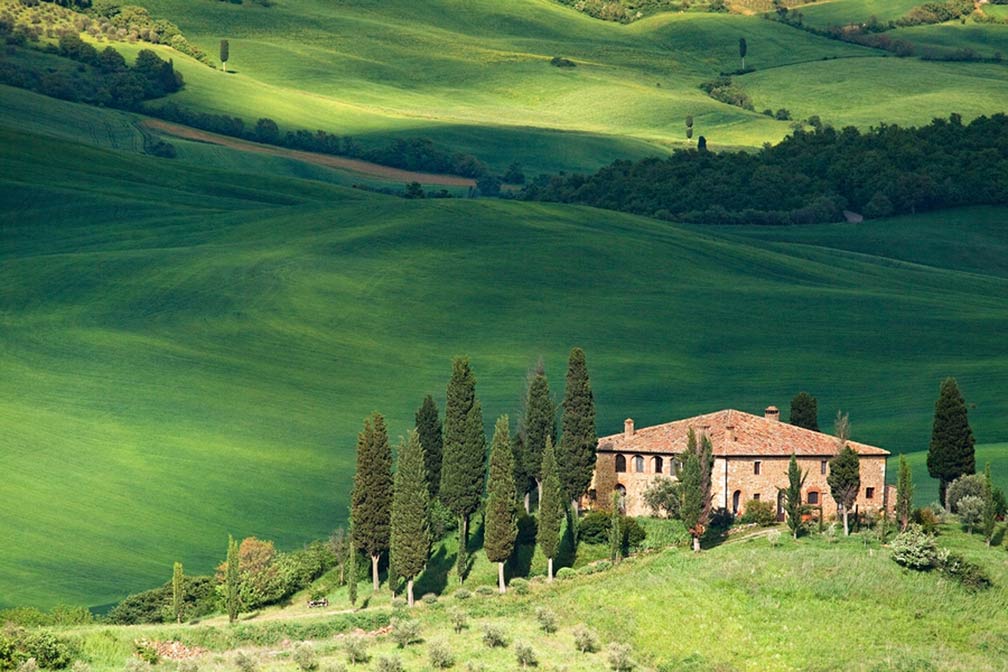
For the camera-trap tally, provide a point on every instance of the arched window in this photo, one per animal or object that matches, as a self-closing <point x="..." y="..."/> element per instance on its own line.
<point x="638" y="464"/>
<point x="736" y="499"/>
<point x="658" y="464"/>
<point x="813" y="497"/>
<point x="620" y="464"/>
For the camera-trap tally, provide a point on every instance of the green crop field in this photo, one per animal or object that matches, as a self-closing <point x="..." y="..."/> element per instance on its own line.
<point x="176" y="333"/>
<point x="475" y="76"/>
<point x="843" y="12"/>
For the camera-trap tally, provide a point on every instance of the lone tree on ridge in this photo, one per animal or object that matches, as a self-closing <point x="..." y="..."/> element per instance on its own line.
<point x="224" y="52"/>
<point x="951" y="453"/>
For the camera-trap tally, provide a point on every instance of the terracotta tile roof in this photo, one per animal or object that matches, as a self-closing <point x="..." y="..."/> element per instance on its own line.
<point x="733" y="433"/>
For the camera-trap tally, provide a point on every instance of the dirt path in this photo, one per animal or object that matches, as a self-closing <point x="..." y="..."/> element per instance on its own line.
<point x="353" y="165"/>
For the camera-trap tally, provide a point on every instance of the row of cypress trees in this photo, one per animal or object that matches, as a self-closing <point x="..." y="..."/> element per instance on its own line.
<point x="448" y="462"/>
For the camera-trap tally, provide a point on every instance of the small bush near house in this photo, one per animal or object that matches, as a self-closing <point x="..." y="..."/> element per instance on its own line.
<point x="968" y="574"/>
<point x="566" y="573"/>
<point x="356" y="649"/>
<point x="585" y="639"/>
<point x="914" y="548"/>
<point x="547" y="619"/>
<point x="927" y="520"/>
<point x="971" y="485"/>
<point x="429" y="598"/>
<point x="519" y="585"/>
<point x="493" y="637"/>
<point x="759" y="512"/>
<point x="389" y="664"/>
<point x="774" y="537"/>
<point x="485" y="590"/>
<point x="461" y="594"/>
<point x="305" y="658"/>
<point x="441" y="657"/>
<point x="459" y="621"/>
<point x="619" y="658"/>
<point x="405" y="632"/>
<point x="525" y="655"/>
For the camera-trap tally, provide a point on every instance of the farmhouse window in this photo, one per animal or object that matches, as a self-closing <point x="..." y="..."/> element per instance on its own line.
<point x="638" y="464"/>
<point x="756" y="497"/>
<point x="620" y="464"/>
<point x="756" y="467"/>
<point x="869" y="493"/>
<point x="822" y="466"/>
<point x="813" y="497"/>
<point x="658" y="465"/>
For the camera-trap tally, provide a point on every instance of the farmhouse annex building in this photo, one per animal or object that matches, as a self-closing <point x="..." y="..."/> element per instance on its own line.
<point x="751" y="455"/>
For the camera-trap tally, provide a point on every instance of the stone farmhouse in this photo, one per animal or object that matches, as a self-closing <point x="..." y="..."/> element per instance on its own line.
<point x="751" y="455"/>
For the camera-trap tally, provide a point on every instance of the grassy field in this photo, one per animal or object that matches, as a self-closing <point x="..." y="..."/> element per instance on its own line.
<point x="475" y="76"/>
<point x="842" y="12"/>
<point x="176" y="333"/>
<point x="765" y="605"/>
<point x="926" y="488"/>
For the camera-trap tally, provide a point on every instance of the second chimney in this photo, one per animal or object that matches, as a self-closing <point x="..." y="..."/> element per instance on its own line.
<point x="772" y="413"/>
<point x="628" y="429"/>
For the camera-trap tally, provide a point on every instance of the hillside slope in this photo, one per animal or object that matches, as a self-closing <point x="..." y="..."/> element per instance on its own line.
<point x="189" y="352"/>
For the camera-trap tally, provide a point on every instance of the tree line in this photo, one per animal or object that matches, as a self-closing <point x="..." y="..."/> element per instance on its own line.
<point x="811" y="176"/>
<point x="444" y="464"/>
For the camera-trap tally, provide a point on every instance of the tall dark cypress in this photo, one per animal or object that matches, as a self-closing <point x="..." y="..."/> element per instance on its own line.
<point x="371" y="500"/>
<point x="951" y="453"/>
<point x="428" y="427"/>
<point x="576" y="458"/>
<point x="551" y="508"/>
<point x="501" y="507"/>
<point x="464" y="457"/>
<point x="805" y="411"/>
<point x="411" y="538"/>
<point x="540" y="424"/>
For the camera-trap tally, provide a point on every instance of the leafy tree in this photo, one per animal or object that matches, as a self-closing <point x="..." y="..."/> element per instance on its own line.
<point x="971" y="510"/>
<point x="579" y="440"/>
<point x="232" y="601"/>
<point x="743" y="49"/>
<point x="615" y="533"/>
<point x="178" y="592"/>
<point x="540" y="424"/>
<point x="371" y="498"/>
<point x="805" y="411"/>
<point x="501" y="517"/>
<point x="514" y="174"/>
<point x="551" y="508"/>
<point x="663" y="495"/>
<point x="428" y="427"/>
<point x="695" y="486"/>
<point x="224" y="53"/>
<point x="792" y="496"/>
<point x="462" y="465"/>
<point x="411" y="539"/>
<point x="267" y="131"/>
<point x="988" y="517"/>
<point x="904" y="493"/>
<point x="844" y="477"/>
<point x="951" y="453"/>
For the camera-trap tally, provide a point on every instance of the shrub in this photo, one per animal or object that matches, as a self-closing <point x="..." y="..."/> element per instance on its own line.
<point x="619" y="657"/>
<point x="914" y="548"/>
<point x="462" y="594"/>
<point x="134" y="664"/>
<point x="485" y="590"/>
<point x="389" y="664"/>
<point x="970" y="511"/>
<point x="759" y="512"/>
<point x="429" y="598"/>
<point x="28" y="666"/>
<point x="493" y="637"/>
<point x="405" y="632"/>
<point x="441" y="657"/>
<point x="398" y="603"/>
<point x="662" y="496"/>
<point x="460" y="621"/>
<point x="304" y="657"/>
<point x="356" y="649"/>
<point x="968" y="574"/>
<point x="633" y="534"/>
<point x="561" y="62"/>
<point x="972" y="485"/>
<point x="245" y="662"/>
<point x="927" y="520"/>
<point x="593" y="528"/>
<point x="566" y="573"/>
<point x="547" y="619"/>
<point x="525" y="655"/>
<point x="585" y="639"/>
<point x="519" y="585"/>
<point x="774" y="537"/>
<point x="48" y="650"/>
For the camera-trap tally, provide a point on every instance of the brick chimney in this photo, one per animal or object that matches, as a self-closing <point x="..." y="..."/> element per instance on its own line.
<point x="729" y="432"/>
<point x="772" y="413"/>
<point x="628" y="429"/>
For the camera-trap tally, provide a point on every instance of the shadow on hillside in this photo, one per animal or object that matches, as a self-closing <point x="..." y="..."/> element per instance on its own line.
<point x="435" y="577"/>
<point x="520" y="562"/>
<point x="999" y="534"/>
<point x="567" y="550"/>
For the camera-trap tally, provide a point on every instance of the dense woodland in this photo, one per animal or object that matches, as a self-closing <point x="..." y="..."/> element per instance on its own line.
<point x="811" y="176"/>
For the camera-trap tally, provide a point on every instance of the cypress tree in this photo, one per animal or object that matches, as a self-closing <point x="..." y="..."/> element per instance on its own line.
<point x="551" y="507"/>
<point x="231" y="581"/>
<point x="576" y="457"/>
<point x="428" y="426"/>
<point x="695" y="486"/>
<point x="371" y="500"/>
<point x="540" y="424"/>
<point x="225" y="51"/>
<point x="904" y="493"/>
<point x="178" y="592"/>
<point x="464" y="458"/>
<point x="805" y="411"/>
<point x="793" y="502"/>
<point x="615" y="531"/>
<point x="950" y="454"/>
<point x="411" y="538"/>
<point x="844" y="479"/>
<point x="501" y="519"/>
